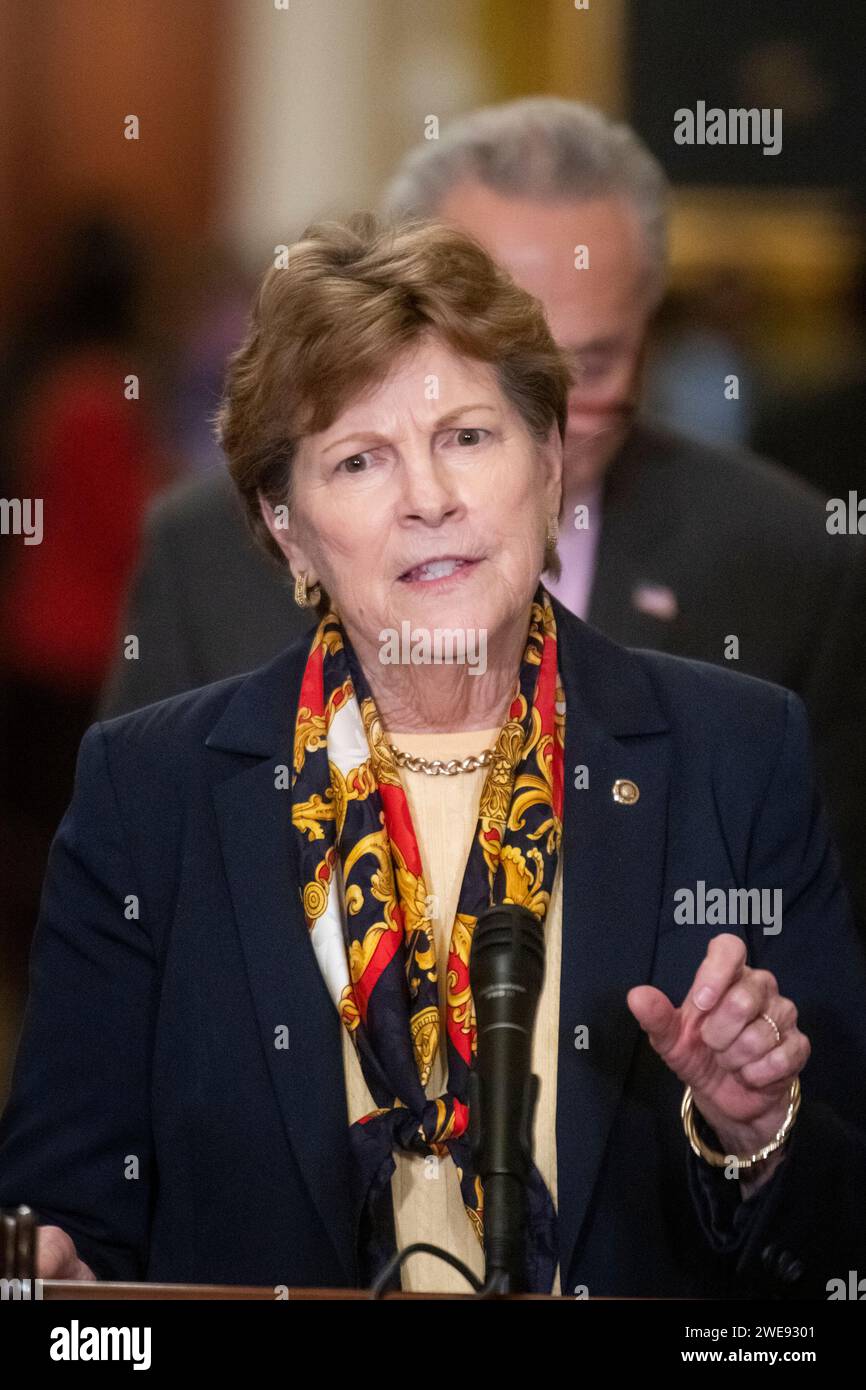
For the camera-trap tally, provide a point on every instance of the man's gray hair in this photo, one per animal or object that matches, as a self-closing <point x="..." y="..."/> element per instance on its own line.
<point x="545" y="148"/>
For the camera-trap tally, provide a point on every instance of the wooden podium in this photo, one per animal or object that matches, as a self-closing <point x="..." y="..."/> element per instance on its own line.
<point x="87" y="1289"/>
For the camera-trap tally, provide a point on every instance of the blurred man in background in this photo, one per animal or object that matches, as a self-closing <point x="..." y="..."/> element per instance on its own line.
<point x="666" y="542"/>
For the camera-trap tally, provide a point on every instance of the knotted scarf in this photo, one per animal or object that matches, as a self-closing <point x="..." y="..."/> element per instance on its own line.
<point x="371" y="925"/>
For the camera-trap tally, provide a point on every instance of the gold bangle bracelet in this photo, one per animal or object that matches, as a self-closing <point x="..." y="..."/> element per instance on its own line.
<point x="719" y="1160"/>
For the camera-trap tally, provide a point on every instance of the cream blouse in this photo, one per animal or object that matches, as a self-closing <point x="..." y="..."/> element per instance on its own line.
<point x="426" y="1195"/>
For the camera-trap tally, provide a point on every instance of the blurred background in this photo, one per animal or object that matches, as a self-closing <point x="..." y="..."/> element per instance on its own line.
<point x="154" y="152"/>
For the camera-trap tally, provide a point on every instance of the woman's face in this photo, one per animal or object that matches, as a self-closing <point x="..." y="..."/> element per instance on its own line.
<point x="427" y="500"/>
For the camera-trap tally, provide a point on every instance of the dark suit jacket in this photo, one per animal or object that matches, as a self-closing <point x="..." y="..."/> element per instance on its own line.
<point x="741" y="543"/>
<point x="153" y="1118"/>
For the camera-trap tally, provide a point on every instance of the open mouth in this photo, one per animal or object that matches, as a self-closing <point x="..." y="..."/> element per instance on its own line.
<point x="433" y="570"/>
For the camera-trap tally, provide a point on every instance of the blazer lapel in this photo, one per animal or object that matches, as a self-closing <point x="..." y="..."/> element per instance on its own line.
<point x="287" y="988"/>
<point x="613" y="877"/>
<point x="640" y="596"/>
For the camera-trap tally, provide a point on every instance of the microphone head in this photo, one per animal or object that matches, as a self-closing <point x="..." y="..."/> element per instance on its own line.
<point x="506" y="964"/>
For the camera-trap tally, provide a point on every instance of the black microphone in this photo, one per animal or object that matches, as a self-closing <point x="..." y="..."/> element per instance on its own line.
<point x="506" y="971"/>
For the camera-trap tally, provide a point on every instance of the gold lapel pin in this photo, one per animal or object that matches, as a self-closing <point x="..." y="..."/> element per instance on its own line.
<point x="625" y="792"/>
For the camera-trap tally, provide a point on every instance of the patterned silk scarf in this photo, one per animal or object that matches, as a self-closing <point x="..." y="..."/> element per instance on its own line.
<point x="370" y="919"/>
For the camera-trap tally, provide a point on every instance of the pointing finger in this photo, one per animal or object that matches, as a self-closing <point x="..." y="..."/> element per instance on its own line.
<point x="721" y="966"/>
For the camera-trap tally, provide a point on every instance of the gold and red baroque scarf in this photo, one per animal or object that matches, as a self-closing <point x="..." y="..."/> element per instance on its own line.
<point x="369" y="914"/>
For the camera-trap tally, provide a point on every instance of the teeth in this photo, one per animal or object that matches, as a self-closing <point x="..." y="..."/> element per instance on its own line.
<point x="436" y="569"/>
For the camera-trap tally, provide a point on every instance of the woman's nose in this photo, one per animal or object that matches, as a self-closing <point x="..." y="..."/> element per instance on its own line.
<point x="428" y="493"/>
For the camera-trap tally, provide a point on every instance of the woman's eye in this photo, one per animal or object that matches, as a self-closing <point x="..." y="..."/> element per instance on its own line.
<point x="467" y="437"/>
<point x="348" y="465"/>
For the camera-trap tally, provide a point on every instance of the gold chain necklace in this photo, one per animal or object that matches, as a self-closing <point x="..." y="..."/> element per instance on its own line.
<point x="435" y="767"/>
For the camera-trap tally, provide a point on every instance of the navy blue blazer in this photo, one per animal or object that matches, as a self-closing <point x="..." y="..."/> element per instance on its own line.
<point x="153" y="1117"/>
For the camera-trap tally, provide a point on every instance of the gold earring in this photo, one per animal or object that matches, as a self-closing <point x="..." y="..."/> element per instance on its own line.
<point x="304" y="597"/>
<point x="552" y="563"/>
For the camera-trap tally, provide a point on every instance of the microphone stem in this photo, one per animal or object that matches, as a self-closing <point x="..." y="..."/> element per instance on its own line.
<point x="504" y="1200"/>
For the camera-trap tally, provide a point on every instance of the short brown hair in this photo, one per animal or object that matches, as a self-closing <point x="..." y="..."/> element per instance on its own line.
<point x="329" y="322"/>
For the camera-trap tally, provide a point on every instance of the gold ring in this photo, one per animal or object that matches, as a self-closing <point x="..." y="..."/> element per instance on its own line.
<point x="774" y="1026"/>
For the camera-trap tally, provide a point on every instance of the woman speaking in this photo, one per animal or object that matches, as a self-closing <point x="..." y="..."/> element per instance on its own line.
<point x="250" y="1033"/>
